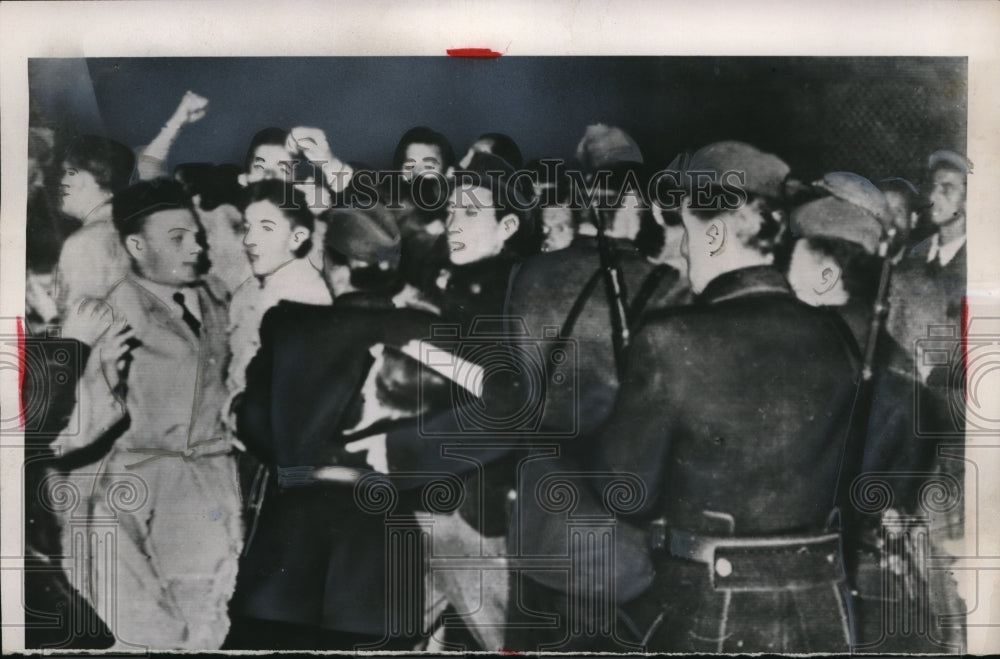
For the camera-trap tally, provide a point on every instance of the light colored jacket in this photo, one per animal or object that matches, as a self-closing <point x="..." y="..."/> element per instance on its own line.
<point x="178" y="530"/>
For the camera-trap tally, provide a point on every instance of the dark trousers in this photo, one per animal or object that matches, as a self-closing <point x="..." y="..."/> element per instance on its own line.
<point x="257" y="634"/>
<point x="543" y="619"/>
<point x="697" y="617"/>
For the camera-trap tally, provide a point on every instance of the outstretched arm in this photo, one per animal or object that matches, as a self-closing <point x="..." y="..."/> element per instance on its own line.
<point x="152" y="158"/>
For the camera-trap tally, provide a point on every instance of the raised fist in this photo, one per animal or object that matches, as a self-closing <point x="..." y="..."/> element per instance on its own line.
<point x="191" y="109"/>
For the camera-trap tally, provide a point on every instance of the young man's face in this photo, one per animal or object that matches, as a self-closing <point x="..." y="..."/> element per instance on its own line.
<point x="900" y="212"/>
<point x="947" y="196"/>
<point x="271" y="240"/>
<point x="420" y="159"/>
<point x="474" y="233"/>
<point x="269" y="161"/>
<point x="169" y="248"/>
<point x="557" y="224"/>
<point x="80" y="192"/>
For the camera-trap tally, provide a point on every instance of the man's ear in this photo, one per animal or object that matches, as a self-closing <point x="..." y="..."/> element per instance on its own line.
<point x="715" y="237"/>
<point x="135" y="245"/>
<point x="299" y="236"/>
<point x="508" y="226"/>
<point x="827" y="278"/>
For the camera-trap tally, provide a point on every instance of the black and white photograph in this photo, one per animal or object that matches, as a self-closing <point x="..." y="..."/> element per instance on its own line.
<point x="426" y="328"/>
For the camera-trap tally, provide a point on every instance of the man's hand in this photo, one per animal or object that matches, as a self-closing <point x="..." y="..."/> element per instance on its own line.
<point x="191" y="109"/>
<point x="38" y="300"/>
<point x="114" y="350"/>
<point x="89" y="321"/>
<point x="376" y="456"/>
<point x="310" y="142"/>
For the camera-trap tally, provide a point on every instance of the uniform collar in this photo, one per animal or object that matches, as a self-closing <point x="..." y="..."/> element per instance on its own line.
<point x="755" y="280"/>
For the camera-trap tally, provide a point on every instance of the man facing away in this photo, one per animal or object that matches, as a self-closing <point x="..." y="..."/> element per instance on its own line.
<point x="733" y="412"/>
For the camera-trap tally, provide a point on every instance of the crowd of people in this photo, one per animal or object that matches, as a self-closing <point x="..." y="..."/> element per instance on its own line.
<point x="490" y="403"/>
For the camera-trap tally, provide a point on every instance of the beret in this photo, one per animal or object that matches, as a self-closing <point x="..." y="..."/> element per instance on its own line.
<point x="765" y="172"/>
<point x="370" y="235"/>
<point x="832" y="217"/>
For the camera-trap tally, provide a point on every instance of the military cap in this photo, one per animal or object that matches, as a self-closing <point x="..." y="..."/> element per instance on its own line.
<point x="858" y="190"/>
<point x="765" y="172"/>
<point x="949" y="159"/>
<point x="370" y="235"/>
<point x="832" y="217"/>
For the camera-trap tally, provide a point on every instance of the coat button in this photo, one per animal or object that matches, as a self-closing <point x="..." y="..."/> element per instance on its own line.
<point x="723" y="567"/>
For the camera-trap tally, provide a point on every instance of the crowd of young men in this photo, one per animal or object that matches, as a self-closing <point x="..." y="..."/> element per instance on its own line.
<point x="584" y="405"/>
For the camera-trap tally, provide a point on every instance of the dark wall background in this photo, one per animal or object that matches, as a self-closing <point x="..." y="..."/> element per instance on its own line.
<point x="874" y="116"/>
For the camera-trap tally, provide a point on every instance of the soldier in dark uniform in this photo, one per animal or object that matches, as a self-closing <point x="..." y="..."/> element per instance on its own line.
<point x="733" y="412"/>
<point x="566" y="289"/>
<point x="835" y="264"/>
<point x="313" y="575"/>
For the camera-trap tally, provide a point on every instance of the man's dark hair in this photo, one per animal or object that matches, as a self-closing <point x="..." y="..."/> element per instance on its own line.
<point x="423" y="135"/>
<point x="504" y="146"/>
<point x="111" y="163"/>
<point x="131" y="206"/>
<point x="276" y="136"/>
<point x="770" y="238"/>
<point x="289" y="200"/>
<point x="859" y="270"/>
<point x="527" y="240"/>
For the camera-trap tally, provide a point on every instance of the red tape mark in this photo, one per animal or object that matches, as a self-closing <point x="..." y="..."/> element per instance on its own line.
<point x="473" y="52"/>
<point x="21" y="367"/>
<point x="965" y="346"/>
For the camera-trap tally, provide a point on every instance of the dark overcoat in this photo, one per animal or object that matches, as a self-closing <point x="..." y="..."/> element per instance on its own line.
<point x="734" y="412"/>
<point x="315" y="557"/>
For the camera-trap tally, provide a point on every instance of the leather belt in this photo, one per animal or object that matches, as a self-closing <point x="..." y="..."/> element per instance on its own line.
<point x="759" y="563"/>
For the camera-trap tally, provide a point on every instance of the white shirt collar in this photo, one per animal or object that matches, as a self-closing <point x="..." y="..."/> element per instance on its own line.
<point x="944" y="253"/>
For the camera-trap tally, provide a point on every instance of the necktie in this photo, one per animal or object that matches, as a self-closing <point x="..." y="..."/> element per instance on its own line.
<point x="186" y="315"/>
